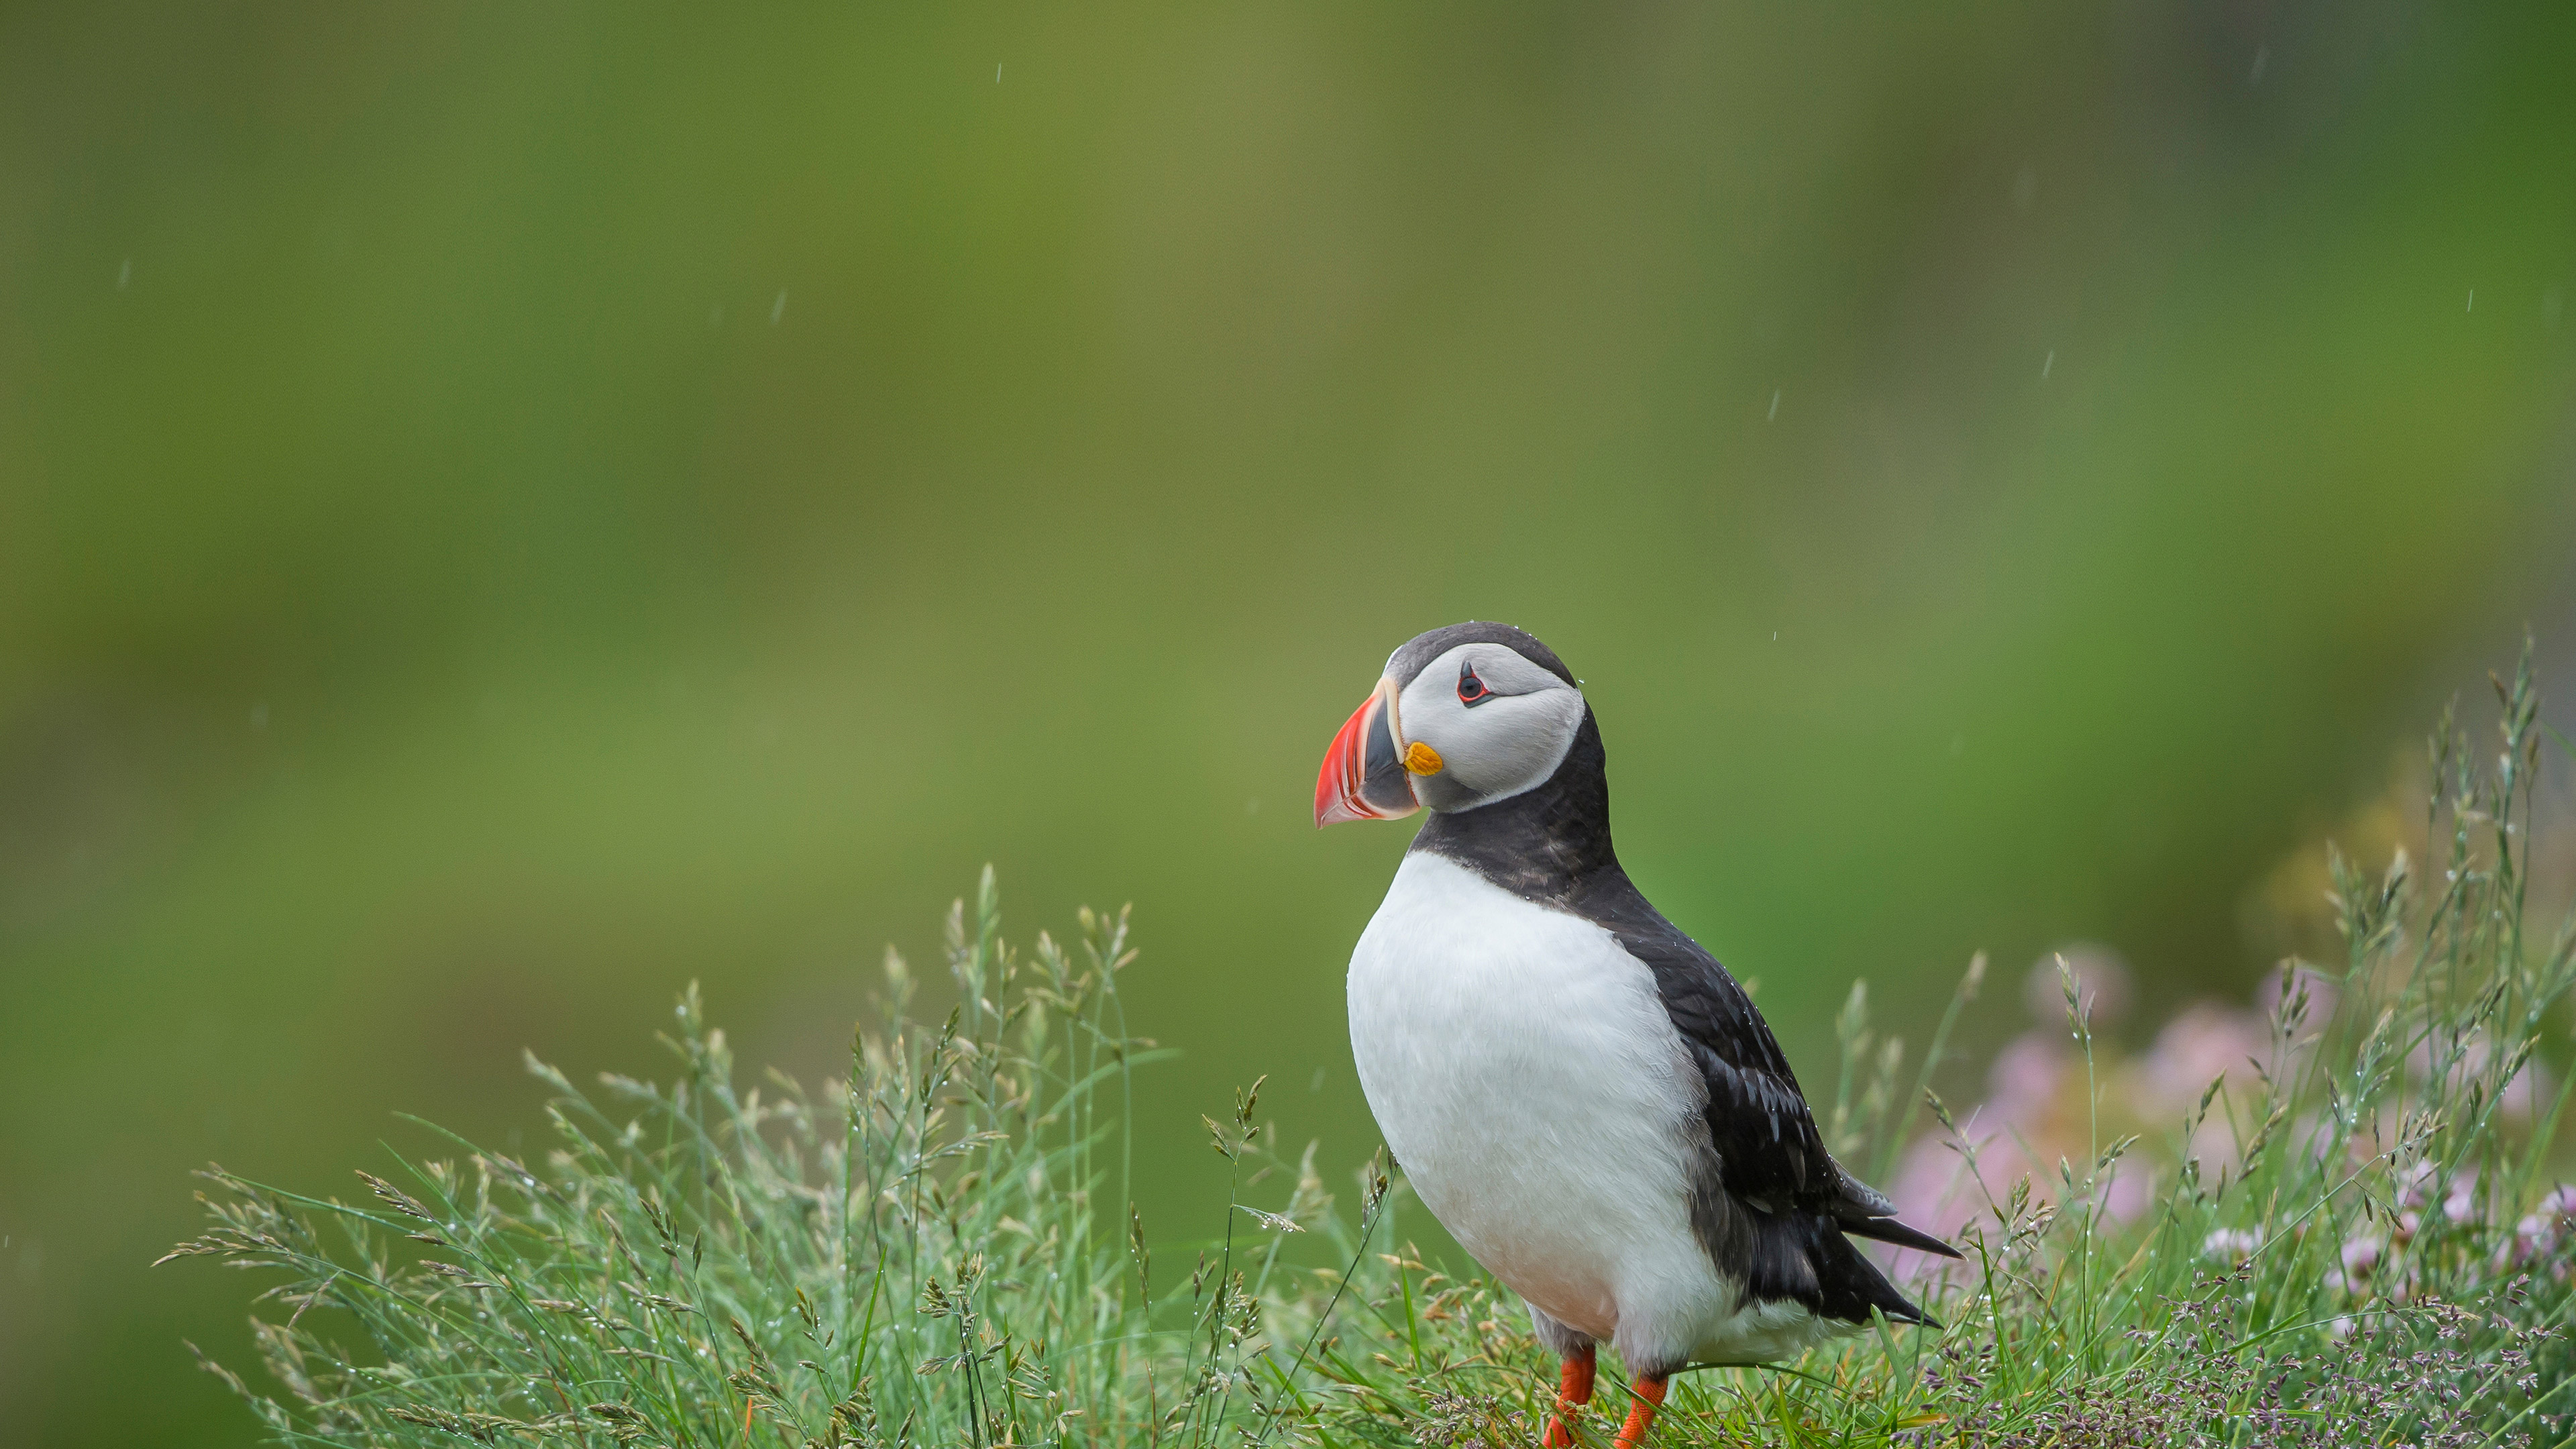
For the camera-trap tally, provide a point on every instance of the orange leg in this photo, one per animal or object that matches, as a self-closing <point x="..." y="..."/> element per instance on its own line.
<point x="1641" y="1415"/>
<point x="1573" y="1391"/>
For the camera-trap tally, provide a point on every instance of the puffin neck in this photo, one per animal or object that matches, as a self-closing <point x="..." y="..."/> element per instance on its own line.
<point x="1544" y="844"/>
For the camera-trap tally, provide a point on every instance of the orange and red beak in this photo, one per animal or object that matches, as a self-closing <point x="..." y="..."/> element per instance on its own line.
<point x="1364" y="776"/>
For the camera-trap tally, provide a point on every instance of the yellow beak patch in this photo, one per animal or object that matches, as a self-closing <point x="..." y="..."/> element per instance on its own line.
<point x="1421" y="759"/>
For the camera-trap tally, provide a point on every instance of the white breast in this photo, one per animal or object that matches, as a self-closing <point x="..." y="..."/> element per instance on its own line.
<point x="1528" y="1079"/>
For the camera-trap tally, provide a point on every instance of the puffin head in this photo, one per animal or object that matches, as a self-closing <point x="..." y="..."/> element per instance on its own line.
<point x="1464" y="716"/>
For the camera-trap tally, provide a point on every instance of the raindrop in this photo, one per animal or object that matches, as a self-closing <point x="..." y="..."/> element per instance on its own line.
<point x="1774" y="414"/>
<point x="2262" y="57"/>
<point x="778" y="308"/>
<point x="2046" y="365"/>
<point x="125" y="274"/>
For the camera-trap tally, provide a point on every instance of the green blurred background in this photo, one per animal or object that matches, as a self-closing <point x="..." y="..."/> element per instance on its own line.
<point x="506" y="509"/>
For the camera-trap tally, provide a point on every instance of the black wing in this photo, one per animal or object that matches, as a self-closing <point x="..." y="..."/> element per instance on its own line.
<point x="1777" y="1205"/>
<point x="1769" y="1204"/>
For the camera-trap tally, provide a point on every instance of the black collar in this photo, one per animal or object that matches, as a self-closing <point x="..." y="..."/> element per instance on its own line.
<point x="1551" y="844"/>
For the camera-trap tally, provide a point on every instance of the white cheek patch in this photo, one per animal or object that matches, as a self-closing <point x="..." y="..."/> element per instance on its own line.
<point x="1510" y="742"/>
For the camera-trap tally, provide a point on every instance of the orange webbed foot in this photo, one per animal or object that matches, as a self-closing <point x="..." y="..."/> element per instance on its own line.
<point x="1573" y="1391"/>
<point x="1641" y="1415"/>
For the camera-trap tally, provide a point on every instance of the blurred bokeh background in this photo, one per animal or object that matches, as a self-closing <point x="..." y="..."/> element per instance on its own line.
<point x="507" y="509"/>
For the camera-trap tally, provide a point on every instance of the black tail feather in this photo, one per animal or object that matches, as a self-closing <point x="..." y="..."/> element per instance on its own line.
<point x="1889" y="1230"/>
<point x="1852" y="1286"/>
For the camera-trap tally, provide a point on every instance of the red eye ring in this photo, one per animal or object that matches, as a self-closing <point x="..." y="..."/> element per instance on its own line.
<point x="1471" y="690"/>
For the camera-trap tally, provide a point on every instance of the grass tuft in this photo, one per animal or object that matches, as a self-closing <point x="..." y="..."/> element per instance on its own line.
<point x="2361" y="1248"/>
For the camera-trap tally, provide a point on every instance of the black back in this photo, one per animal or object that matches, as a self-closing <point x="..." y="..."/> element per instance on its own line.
<point x="1769" y="1203"/>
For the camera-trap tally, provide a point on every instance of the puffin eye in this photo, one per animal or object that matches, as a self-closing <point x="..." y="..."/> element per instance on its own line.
<point x="1471" y="690"/>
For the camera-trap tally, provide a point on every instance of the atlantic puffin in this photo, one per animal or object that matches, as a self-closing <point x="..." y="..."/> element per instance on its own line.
<point x="1581" y="1095"/>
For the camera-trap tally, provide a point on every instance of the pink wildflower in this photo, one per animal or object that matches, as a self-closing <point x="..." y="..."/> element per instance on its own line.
<point x="2231" y="1245"/>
